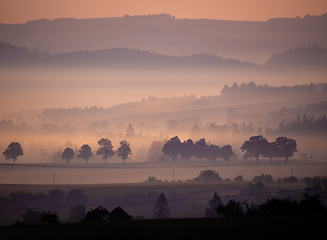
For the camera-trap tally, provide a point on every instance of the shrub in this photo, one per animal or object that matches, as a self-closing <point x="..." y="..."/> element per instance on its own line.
<point x="263" y="178"/>
<point x="239" y="178"/>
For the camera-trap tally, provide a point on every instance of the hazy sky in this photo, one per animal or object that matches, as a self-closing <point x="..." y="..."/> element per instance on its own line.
<point x="20" y="11"/>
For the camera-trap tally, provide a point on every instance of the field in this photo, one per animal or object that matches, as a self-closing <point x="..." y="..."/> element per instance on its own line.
<point x="111" y="186"/>
<point x="137" y="172"/>
<point x="227" y="228"/>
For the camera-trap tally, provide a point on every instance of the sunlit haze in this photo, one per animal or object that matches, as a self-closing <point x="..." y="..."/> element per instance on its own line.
<point x="165" y="109"/>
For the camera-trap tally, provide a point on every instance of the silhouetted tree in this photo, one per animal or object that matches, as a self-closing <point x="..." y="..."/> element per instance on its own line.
<point x="213" y="204"/>
<point x="75" y="196"/>
<point x="263" y="178"/>
<point x="286" y="147"/>
<point x="254" y="147"/>
<point x="172" y="147"/>
<point x="130" y="131"/>
<point x="118" y="214"/>
<point x="161" y="207"/>
<point x="226" y="152"/>
<point x="155" y="151"/>
<point x="186" y="149"/>
<point x="32" y="216"/>
<point x="99" y="214"/>
<point x="239" y="178"/>
<point x="208" y="176"/>
<point x="124" y="150"/>
<point x="213" y="151"/>
<point x="271" y="151"/>
<point x="56" y="197"/>
<point x="85" y="153"/>
<point x="13" y="151"/>
<point x="232" y="209"/>
<point x="201" y="148"/>
<point x="313" y="205"/>
<point x="50" y="217"/>
<point x="76" y="213"/>
<point x="67" y="154"/>
<point x="106" y="149"/>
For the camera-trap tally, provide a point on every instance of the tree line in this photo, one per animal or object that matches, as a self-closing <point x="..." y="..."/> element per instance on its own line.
<point x="77" y="213"/>
<point x="304" y="125"/>
<point x="14" y="150"/>
<point x="200" y="149"/>
<point x="274" y="206"/>
<point x="255" y="147"/>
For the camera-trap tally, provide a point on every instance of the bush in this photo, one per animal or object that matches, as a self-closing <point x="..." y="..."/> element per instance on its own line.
<point x="239" y="178"/>
<point x="263" y="178"/>
<point x="76" y="213"/>
<point x="208" y="176"/>
<point x="232" y="209"/>
<point x="118" y="214"/>
<point x="98" y="214"/>
<point x="32" y="216"/>
<point x="290" y="179"/>
<point x="50" y="217"/>
<point x="152" y="179"/>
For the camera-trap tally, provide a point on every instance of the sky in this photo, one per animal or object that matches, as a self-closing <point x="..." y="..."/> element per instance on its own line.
<point x="20" y="11"/>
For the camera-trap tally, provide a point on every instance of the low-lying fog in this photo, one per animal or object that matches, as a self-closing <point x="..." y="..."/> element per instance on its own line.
<point x="80" y="106"/>
<point x="25" y="89"/>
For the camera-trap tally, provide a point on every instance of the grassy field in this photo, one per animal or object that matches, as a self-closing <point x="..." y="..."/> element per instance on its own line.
<point x="200" y="228"/>
<point x="186" y="200"/>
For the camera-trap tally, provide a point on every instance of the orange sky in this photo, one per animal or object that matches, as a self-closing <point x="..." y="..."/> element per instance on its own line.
<point x="19" y="11"/>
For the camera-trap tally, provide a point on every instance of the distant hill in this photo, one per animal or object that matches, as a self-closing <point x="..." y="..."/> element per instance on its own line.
<point x="120" y="57"/>
<point x="10" y="54"/>
<point x="164" y="34"/>
<point x="303" y="57"/>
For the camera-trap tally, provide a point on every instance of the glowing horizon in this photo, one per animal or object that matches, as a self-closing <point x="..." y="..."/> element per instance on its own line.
<point x="21" y="11"/>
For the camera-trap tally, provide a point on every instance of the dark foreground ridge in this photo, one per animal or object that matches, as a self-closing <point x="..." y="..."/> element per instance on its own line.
<point x="198" y="228"/>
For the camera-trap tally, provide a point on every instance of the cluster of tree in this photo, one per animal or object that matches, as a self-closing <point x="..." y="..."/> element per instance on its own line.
<point x="258" y="146"/>
<point x="263" y="178"/>
<point x="308" y="206"/>
<point x="55" y="201"/>
<point x="225" y="130"/>
<point x="252" y="88"/>
<point x="304" y="125"/>
<point x="316" y="184"/>
<point x="208" y="176"/>
<point x="311" y="56"/>
<point x="33" y="216"/>
<point x="204" y="176"/>
<point x="77" y="213"/>
<point x="101" y="214"/>
<point x="14" y="150"/>
<point x="311" y="109"/>
<point x="200" y="150"/>
<point x="106" y="149"/>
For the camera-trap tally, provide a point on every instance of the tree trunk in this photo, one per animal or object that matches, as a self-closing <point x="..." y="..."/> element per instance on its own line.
<point x="257" y="160"/>
<point x="105" y="160"/>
